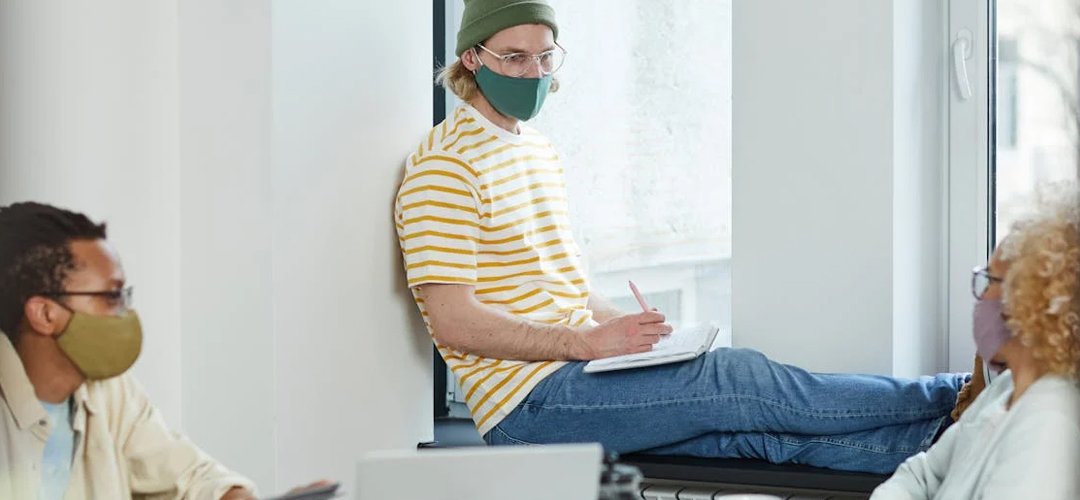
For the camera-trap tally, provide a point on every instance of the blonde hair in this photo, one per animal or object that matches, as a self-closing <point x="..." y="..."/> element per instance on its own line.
<point x="459" y="80"/>
<point x="1042" y="284"/>
<point x="462" y="82"/>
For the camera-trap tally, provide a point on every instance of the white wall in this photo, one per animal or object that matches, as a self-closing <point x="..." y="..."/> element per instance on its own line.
<point x="837" y="187"/>
<point x="88" y="121"/>
<point x="246" y="156"/>
<point x="352" y="96"/>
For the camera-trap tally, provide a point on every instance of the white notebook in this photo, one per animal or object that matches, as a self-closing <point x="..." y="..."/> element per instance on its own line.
<point x="684" y="344"/>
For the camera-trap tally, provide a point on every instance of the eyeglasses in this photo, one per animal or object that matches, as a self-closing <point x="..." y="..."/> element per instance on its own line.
<point x="121" y="299"/>
<point x="981" y="280"/>
<point x="517" y="64"/>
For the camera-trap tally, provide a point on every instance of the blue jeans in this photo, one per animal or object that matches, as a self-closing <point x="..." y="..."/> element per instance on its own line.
<point x="737" y="403"/>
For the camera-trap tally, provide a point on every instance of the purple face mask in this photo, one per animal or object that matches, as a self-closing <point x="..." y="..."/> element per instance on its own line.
<point x="989" y="330"/>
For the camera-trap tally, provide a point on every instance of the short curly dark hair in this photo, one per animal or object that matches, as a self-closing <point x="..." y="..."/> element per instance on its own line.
<point x="35" y="254"/>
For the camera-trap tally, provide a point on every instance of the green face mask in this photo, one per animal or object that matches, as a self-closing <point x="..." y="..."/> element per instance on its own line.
<point x="520" y="98"/>
<point x="102" y="346"/>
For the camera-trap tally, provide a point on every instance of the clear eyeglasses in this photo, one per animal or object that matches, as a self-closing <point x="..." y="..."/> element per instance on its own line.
<point x="517" y="64"/>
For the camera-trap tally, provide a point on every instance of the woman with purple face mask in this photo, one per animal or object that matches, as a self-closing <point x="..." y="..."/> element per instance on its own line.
<point x="1021" y="436"/>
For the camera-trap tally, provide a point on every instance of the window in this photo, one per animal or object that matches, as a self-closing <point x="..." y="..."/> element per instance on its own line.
<point x="643" y="124"/>
<point x="1007" y="95"/>
<point x="1017" y="128"/>
<point x="1037" y="100"/>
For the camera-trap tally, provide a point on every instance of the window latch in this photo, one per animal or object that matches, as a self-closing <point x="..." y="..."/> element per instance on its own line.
<point x="961" y="52"/>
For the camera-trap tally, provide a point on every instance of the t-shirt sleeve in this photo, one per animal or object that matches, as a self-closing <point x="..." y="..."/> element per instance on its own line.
<point x="438" y="222"/>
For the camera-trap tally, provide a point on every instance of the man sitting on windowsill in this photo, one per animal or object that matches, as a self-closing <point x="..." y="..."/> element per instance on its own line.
<point x="484" y="228"/>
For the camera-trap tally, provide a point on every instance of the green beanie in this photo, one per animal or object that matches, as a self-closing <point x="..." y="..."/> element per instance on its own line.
<point x="484" y="18"/>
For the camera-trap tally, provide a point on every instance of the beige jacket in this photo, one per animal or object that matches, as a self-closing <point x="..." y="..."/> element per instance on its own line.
<point x="123" y="449"/>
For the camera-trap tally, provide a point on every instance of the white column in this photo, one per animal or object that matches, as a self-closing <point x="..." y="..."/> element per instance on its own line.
<point x="920" y="183"/>
<point x="226" y="206"/>
<point x="352" y="97"/>
<point x="838" y="174"/>
<point x="812" y="208"/>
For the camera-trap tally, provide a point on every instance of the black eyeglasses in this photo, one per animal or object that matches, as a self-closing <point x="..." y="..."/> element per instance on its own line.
<point x="981" y="280"/>
<point x="123" y="298"/>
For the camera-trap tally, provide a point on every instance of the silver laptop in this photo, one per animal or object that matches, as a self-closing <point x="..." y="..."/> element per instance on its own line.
<point x="564" y="472"/>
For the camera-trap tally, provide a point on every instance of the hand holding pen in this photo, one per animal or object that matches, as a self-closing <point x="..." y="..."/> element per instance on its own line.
<point x="627" y="334"/>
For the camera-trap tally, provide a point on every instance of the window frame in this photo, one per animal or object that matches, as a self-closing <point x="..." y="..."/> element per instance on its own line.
<point x="970" y="218"/>
<point x="440" y="394"/>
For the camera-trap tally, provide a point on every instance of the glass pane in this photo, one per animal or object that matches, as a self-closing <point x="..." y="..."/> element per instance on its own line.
<point x="643" y="122"/>
<point x="1037" y="101"/>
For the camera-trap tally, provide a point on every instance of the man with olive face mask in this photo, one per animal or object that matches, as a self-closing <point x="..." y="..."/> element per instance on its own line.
<point x="72" y="423"/>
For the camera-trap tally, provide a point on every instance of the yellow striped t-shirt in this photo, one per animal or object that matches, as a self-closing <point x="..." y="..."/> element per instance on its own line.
<point x="484" y="207"/>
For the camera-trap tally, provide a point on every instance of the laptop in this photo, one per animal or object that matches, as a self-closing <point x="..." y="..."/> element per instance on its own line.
<point x="684" y="344"/>
<point x="570" y="472"/>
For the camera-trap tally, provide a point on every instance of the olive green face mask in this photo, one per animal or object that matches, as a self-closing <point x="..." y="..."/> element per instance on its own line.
<point x="102" y="346"/>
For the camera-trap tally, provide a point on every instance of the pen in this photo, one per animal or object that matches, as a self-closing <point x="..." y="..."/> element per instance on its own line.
<point x="640" y="300"/>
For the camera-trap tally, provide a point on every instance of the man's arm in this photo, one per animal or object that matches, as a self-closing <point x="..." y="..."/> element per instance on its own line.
<point x="162" y="462"/>
<point x="463" y="323"/>
<point x="602" y="308"/>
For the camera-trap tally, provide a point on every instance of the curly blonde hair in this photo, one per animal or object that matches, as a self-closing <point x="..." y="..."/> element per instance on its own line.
<point x="459" y="80"/>
<point x="1042" y="284"/>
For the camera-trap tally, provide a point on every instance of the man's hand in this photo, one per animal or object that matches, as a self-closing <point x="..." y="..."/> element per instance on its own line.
<point x="629" y="334"/>
<point x="238" y="494"/>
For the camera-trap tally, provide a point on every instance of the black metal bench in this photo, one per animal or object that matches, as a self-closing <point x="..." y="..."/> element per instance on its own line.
<point x="755" y="473"/>
<point x="457" y="432"/>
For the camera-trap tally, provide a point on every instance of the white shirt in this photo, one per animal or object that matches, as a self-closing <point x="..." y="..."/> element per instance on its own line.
<point x="1031" y="450"/>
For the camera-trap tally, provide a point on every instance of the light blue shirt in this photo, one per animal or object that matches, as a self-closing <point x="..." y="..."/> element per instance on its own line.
<point x="59" y="452"/>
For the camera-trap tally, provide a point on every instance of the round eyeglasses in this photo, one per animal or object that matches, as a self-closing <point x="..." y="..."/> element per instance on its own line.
<point x="981" y="280"/>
